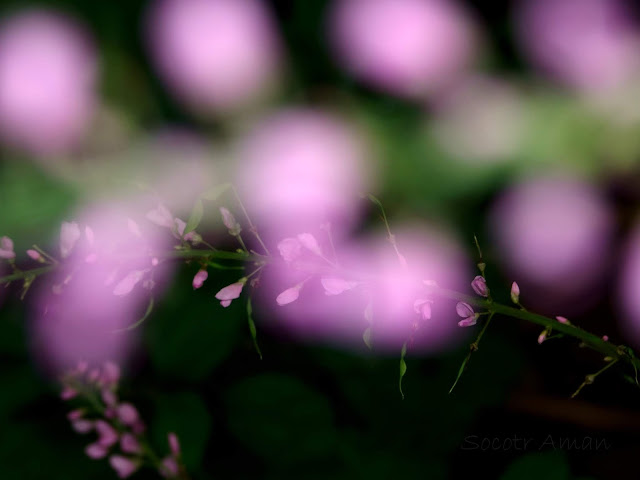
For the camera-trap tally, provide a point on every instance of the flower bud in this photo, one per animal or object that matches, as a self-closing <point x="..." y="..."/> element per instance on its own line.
<point x="515" y="293"/>
<point x="230" y="222"/>
<point x="230" y="292"/>
<point x="199" y="279"/>
<point x="479" y="285"/>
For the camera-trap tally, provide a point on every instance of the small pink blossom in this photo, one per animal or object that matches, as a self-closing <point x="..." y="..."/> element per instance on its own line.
<point x="423" y="307"/>
<point x="515" y="293"/>
<point x="161" y="216"/>
<point x="542" y="337"/>
<point x="199" y="279"/>
<point x="69" y="236"/>
<point x="6" y="248"/>
<point x="128" y="414"/>
<point x="128" y="283"/>
<point x="479" y="285"/>
<point x="468" y="322"/>
<point x="465" y="311"/>
<point x="82" y="426"/>
<point x="109" y="397"/>
<point x="290" y="249"/>
<point x="129" y="443"/>
<point x="605" y="338"/>
<point x="335" y="286"/>
<point x="180" y="226"/>
<point x="108" y="436"/>
<point x="562" y="319"/>
<point x="289" y="295"/>
<point x="169" y="467"/>
<point x="230" y="292"/>
<point x="76" y="414"/>
<point x="96" y="451"/>
<point x="174" y="444"/>
<point x="68" y="393"/>
<point x="309" y="242"/>
<point x="110" y="374"/>
<point x="35" y="255"/>
<point x="123" y="466"/>
<point x="230" y="222"/>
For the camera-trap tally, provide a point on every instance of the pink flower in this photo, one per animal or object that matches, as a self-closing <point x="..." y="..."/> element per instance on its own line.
<point x="290" y="249"/>
<point x="128" y="283"/>
<point x="479" y="285"/>
<point x="123" y="466"/>
<point x="180" y="226"/>
<point x="309" y="242"/>
<point x="542" y="337"/>
<point x="68" y="393"/>
<point x="169" y="467"/>
<point x="335" y="286"/>
<point x="6" y="248"/>
<point x="174" y="444"/>
<point x="109" y="397"/>
<point x="82" y="426"/>
<point x="110" y="374"/>
<point x="128" y="414"/>
<point x="34" y="255"/>
<point x="161" y="216"/>
<point x="199" y="279"/>
<point x="107" y="434"/>
<point x="69" y="236"/>
<point x="129" y="443"/>
<point x="88" y="233"/>
<point x="96" y="451"/>
<point x="465" y="311"/>
<point x="423" y="307"/>
<point x="562" y="319"/>
<point x="75" y="414"/>
<point x="515" y="293"/>
<point x="230" y="292"/>
<point x="605" y="338"/>
<point x="230" y="222"/>
<point x="289" y="295"/>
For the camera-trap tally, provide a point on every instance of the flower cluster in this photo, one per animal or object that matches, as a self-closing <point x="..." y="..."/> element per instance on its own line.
<point x="120" y="432"/>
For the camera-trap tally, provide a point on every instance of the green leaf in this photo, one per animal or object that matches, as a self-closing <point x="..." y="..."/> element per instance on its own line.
<point x="252" y="328"/>
<point x="195" y="218"/>
<point x="403" y="368"/>
<point x="460" y="371"/>
<point x="214" y="193"/>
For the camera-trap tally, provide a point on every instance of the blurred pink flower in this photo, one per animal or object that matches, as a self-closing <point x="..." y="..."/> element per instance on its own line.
<point x="34" y="255"/>
<point x="542" y="337"/>
<point x="405" y="47"/>
<point x="174" y="444"/>
<point x="316" y="165"/>
<point x="128" y="414"/>
<point x="423" y="307"/>
<point x="289" y="295"/>
<point x="199" y="279"/>
<point x="335" y="286"/>
<point x="587" y="44"/>
<point x="129" y="443"/>
<point x="290" y="249"/>
<point x="230" y="222"/>
<point x="6" y="248"/>
<point x="169" y="467"/>
<point x="124" y="466"/>
<point x="45" y="117"/>
<point x="230" y="292"/>
<point x="96" y="451"/>
<point x="69" y="235"/>
<point x="215" y="55"/>
<point x="309" y="242"/>
<point x="562" y="319"/>
<point x="107" y="435"/>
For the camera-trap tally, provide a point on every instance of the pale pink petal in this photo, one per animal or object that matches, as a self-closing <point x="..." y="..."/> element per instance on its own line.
<point x="289" y="295"/>
<point x="309" y="242"/>
<point x="161" y="216"/>
<point x="128" y="414"/>
<point x="199" y="279"/>
<point x="335" y="286"/>
<point x="230" y="292"/>
<point x="69" y="236"/>
<point x="468" y="322"/>
<point x="123" y="466"/>
<point x="290" y="249"/>
<point x="127" y="284"/>
<point x="129" y="443"/>
<point x="96" y="451"/>
<point x="464" y="310"/>
<point x="174" y="444"/>
<point x="106" y="433"/>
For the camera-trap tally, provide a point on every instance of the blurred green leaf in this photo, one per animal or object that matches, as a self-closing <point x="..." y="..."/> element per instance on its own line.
<point x="195" y="218"/>
<point x="214" y="193"/>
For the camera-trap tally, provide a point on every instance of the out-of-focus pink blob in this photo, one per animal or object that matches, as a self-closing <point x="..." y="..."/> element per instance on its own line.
<point x="216" y="55"/>
<point x="629" y="286"/>
<point x="368" y="285"/>
<point x="48" y="73"/>
<point x="553" y="233"/>
<point x="301" y="168"/>
<point x="104" y="286"/>
<point x="482" y="120"/>
<point x="404" y="47"/>
<point x="587" y="44"/>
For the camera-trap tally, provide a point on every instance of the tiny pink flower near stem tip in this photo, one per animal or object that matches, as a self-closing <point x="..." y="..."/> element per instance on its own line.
<point x="6" y="248"/>
<point x="230" y="222"/>
<point x="289" y="295"/>
<point x="199" y="279"/>
<point x="290" y="249"/>
<point x="96" y="451"/>
<point x="68" y="393"/>
<point x="174" y="444"/>
<point x="129" y="443"/>
<point x="479" y="285"/>
<point x="309" y="242"/>
<point x="465" y="311"/>
<point x="128" y="414"/>
<point x="562" y="319"/>
<point x="35" y="255"/>
<point x="124" y="466"/>
<point x="69" y="236"/>
<point x="169" y="467"/>
<point x="107" y="435"/>
<point x="605" y="338"/>
<point x="82" y="426"/>
<point x="542" y="337"/>
<point x="515" y="293"/>
<point x="230" y="292"/>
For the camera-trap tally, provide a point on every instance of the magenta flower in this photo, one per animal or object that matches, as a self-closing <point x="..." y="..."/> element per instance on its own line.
<point x="68" y="393"/>
<point x="6" y="248"/>
<point x="542" y="337"/>
<point x="129" y="443"/>
<point x="423" y="307"/>
<point x="96" y="451"/>
<point x="469" y="317"/>
<point x="515" y="293"/>
<point x="128" y="414"/>
<point x="128" y="283"/>
<point x="290" y="249"/>
<point x="230" y="222"/>
<point x="230" y="292"/>
<point x="174" y="444"/>
<point x="109" y="397"/>
<point x="110" y="374"/>
<point x="123" y="466"/>
<point x="169" y="467"/>
<point x="34" y="255"/>
<point x="335" y="286"/>
<point x="199" y="279"/>
<point x="479" y="285"/>
<point x="562" y="319"/>
<point x="289" y="295"/>
<point x="69" y="236"/>
<point x="108" y="436"/>
<point x="82" y="426"/>
<point x="309" y="242"/>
